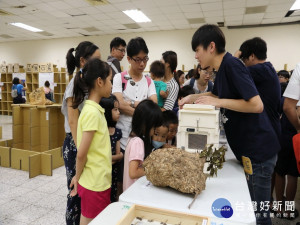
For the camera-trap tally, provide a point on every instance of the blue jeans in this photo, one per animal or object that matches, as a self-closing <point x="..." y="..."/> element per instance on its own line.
<point x="259" y="184"/>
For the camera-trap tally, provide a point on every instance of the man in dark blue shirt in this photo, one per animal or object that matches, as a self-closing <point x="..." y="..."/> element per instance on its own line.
<point x="253" y="53"/>
<point x="248" y="129"/>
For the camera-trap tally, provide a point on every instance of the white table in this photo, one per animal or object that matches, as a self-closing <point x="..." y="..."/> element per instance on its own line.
<point x="229" y="184"/>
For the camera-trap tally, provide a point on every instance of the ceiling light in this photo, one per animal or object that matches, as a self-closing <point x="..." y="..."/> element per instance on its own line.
<point x="137" y="15"/>
<point x="26" y="27"/>
<point x="296" y="5"/>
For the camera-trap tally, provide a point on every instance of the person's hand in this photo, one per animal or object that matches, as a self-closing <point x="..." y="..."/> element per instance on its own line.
<point x="186" y="100"/>
<point x="208" y="100"/>
<point x="167" y="146"/>
<point x="238" y="54"/>
<point x="74" y="183"/>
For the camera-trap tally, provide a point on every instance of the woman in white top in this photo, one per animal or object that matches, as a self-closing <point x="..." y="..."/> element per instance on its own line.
<point x="201" y="81"/>
<point x="84" y="51"/>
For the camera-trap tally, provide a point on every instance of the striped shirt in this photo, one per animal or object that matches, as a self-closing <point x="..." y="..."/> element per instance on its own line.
<point x="173" y="89"/>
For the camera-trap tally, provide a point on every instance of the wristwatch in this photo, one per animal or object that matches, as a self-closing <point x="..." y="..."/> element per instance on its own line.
<point x="132" y="103"/>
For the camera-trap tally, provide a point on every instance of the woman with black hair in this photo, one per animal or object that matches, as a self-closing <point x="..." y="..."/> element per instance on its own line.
<point x="169" y="58"/>
<point x="16" y="91"/>
<point x="201" y="82"/>
<point x="84" y="51"/>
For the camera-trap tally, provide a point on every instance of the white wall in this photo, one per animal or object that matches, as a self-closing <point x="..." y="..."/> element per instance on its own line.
<point x="283" y="46"/>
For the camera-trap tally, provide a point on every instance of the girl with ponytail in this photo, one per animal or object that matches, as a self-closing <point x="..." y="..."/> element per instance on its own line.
<point x="92" y="180"/>
<point x="77" y="60"/>
<point x="169" y="58"/>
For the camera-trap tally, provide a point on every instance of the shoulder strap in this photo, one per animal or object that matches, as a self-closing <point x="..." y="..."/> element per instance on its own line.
<point x="113" y="66"/>
<point x="192" y="82"/>
<point x="209" y="86"/>
<point x="148" y="80"/>
<point x="124" y="81"/>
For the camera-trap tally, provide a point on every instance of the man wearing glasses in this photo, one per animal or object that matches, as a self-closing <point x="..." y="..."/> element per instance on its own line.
<point x="131" y="87"/>
<point x="117" y="53"/>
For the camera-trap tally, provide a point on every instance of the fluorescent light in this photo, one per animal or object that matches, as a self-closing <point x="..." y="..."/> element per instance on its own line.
<point x="137" y="15"/>
<point x="26" y="27"/>
<point x="296" y="5"/>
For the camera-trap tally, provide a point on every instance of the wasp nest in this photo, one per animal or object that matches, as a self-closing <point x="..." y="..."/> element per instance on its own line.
<point x="177" y="169"/>
<point x="37" y="97"/>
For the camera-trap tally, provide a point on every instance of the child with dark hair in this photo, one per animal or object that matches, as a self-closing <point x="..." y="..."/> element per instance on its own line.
<point x="83" y="52"/>
<point x="160" y="135"/>
<point x="112" y="114"/>
<point x="17" y="90"/>
<point x="283" y="76"/>
<point x="170" y="119"/>
<point x="131" y="87"/>
<point x="185" y="91"/>
<point x="146" y="118"/>
<point x="157" y="72"/>
<point x="117" y="53"/>
<point x="48" y="91"/>
<point x="249" y="131"/>
<point x="92" y="180"/>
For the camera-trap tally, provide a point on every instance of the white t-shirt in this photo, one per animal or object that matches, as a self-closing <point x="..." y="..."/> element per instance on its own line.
<point x="64" y="108"/>
<point x="137" y="92"/>
<point x="293" y="89"/>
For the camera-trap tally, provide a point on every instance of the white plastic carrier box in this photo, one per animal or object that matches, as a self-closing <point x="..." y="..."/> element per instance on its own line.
<point x="198" y="126"/>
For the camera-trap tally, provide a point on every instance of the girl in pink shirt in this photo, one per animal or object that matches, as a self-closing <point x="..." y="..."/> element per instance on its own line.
<point x="146" y="117"/>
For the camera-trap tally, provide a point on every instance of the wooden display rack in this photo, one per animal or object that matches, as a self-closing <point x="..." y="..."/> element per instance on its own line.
<point x="162" y="215"/>
<point x="6" y="79"/>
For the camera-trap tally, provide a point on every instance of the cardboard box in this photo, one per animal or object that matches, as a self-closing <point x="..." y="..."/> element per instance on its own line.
<point x="9" y="68"/>
<point x="16" y="68"/>
<point x="43" y="68"/>
<point x="28" y="68"/>
<point x="35" y="163"/>
<point x="38" y="128"/>
<point x="0" y="132"/>
<point x="3" y="69"/>
<point x="161" y="215"/>
<point x="35" y="68"/>
<point x="5" y="156"/>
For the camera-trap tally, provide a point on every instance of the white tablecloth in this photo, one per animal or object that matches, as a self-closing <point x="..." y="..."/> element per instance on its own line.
<point x="229" y="184"/>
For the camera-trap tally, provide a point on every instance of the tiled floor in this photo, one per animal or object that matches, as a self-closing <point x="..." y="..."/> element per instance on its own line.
<point x="42" y="200"/>
<point x="24" y="201"/>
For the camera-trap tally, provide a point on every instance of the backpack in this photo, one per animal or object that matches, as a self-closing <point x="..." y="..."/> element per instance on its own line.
<point x="209" y="86"/>
<point x="110" y="63"/>
<point x="14" y="93"/>
<point x="125" y="77"/>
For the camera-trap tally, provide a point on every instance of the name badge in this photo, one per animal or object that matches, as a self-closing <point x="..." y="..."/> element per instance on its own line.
<point x="247" y="165"/>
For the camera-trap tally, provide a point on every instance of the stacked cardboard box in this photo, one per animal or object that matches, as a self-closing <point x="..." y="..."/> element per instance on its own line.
<point x="37" y="128"/>
<point x="38" y="134"/>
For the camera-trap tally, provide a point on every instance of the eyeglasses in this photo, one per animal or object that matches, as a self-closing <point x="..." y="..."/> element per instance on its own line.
<point x="207" y="72"/>
<point x="139" y="60"/>
<point x="121" y="50"/>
